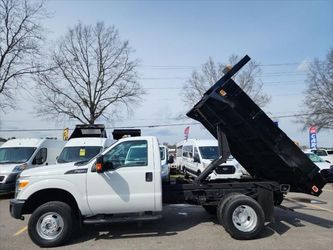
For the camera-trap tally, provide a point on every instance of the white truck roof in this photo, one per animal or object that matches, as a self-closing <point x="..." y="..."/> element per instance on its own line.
<point x="201" y="142"/>
<point x="24" y="142"/>
<point x="86" y="141"/>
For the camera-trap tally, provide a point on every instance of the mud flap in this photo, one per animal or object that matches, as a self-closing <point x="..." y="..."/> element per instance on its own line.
<point x="266" y="201"/>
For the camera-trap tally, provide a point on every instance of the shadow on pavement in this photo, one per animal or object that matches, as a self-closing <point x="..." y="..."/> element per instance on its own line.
<point x="295" y="218"/>
<point x="179" y="218"/>
<point x="175" y="219"/>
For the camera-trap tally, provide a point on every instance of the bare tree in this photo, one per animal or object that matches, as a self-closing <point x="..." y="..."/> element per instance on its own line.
<point x="20" y="42"/>
<point x="211" y="72"/>
<point x="92" y="76"/>
<point x="318" y="101"/>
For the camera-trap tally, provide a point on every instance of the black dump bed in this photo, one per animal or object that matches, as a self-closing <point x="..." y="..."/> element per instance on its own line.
<point x="86" y="130"/>
<point x="263" y="149"/>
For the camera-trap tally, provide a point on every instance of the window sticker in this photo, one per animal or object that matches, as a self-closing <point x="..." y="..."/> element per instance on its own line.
<point x="82" y="152"/>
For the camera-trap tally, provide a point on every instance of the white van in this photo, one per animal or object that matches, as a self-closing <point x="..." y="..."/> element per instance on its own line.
<point x="198" y="154"/>
<point x="85" y="142"/>
<point x="83" y="149"/>
<point x="19" y="154"/>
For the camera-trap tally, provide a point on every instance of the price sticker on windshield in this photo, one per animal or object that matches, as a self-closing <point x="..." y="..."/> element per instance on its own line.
<point x="82" y="152"/>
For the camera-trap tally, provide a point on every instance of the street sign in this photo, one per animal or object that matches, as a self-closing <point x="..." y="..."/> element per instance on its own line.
<point x="186" y="132"/>
<point x="313" y="137"/>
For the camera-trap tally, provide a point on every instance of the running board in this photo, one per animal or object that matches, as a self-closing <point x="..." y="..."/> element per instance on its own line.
<point x="111" y="219"/>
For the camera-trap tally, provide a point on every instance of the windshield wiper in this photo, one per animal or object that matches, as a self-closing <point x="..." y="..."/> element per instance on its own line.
<point x="11" y="162"/>
<point x="80" y="163"/>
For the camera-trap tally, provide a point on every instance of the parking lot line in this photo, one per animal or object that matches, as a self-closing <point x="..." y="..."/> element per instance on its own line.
<point x="21" y="231"/>
<point x="329" y="190"/>
<point x="309" y="205"/>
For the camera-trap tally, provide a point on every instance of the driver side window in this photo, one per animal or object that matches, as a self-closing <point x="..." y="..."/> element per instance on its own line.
<point x="128" y="154"/>
<point x="40" y="157"/>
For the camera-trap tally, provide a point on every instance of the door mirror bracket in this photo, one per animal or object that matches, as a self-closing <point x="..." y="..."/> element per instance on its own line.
<point x="102" y="166"/>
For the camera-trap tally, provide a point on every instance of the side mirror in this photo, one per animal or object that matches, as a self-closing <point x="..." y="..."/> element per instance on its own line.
<point x="38" y="161"/>
<point x="196" y="159"/>
<point x="327" y="161"/>
<point x="102" y="166"/>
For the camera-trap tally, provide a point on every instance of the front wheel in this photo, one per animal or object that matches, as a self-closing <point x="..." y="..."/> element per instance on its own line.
<point x="243" y="217"/>
<point x="51" y="224"/>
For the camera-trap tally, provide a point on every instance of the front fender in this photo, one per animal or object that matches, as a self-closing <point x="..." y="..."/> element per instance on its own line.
<point x="76" y="189"/>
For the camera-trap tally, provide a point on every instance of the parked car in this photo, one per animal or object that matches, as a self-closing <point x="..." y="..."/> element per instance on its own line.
<point x="325" y="154"/>
<point x="323" y="165"/>
<point x="17" y="155"/>
<point x="198" y="154"/>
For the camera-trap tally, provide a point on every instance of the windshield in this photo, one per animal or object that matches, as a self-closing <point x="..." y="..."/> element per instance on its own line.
<point x="315" y="158"/>
<point x="320" y="152"/>
<point x="75" y="154"/>
<point x="15" y="155"/>
<point x="162" y="152"/>
<point x="210" y="152"/>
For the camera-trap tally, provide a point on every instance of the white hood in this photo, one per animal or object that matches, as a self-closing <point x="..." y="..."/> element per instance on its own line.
<point x="58" y="169"/>
<point x="8" y="168"/>
<point x="323" y="165"/>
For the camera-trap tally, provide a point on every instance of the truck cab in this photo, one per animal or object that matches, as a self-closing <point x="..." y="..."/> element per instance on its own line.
<point x="112" y="177"/>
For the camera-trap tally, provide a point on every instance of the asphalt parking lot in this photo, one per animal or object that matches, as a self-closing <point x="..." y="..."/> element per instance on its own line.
<point x="309" y="226"/>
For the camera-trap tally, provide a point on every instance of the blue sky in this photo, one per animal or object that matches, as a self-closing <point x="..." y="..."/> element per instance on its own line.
<point x="182" y="35"/>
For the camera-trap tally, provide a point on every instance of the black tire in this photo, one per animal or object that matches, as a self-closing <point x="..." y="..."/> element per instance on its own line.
<point x="64" y="211"/>
<point x="254" y="222"/>
<point x="221" y="205"/>
<point x="211" y="209"/>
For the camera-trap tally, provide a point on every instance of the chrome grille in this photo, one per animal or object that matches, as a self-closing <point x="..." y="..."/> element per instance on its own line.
<point x="225" y="169"/>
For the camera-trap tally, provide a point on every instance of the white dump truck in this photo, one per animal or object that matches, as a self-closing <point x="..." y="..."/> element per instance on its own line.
<point x="113" y="188"/>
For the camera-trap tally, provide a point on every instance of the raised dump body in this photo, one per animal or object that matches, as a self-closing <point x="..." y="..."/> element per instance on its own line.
<point x="262" y="148"/>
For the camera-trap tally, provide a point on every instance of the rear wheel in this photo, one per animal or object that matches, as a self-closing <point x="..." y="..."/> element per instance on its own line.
<point x="221" y="205"/>
<point x="243" y="217"/>
<point x="51" y="224"/>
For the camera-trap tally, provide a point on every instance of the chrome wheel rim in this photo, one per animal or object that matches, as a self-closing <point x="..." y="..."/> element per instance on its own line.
<point x="50" y="226"/>
<point x="244" y="218"/>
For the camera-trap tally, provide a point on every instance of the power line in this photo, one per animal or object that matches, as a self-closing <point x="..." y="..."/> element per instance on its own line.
<point x="198" y="66"/>
<point x="145" y="126"/>
<point x="116" y="127"/>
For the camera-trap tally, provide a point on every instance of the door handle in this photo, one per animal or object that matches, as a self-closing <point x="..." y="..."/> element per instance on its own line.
<point x="149" y="176"/>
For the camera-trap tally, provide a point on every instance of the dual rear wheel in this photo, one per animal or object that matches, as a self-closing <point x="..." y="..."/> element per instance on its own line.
<point x="241" y="216"/>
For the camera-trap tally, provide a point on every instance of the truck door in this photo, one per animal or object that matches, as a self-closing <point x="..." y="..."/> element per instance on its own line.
<point x="129" y="187"/>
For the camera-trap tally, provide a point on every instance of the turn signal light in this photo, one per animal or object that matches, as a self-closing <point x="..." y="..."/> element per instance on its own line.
<point x="22" y="184"/>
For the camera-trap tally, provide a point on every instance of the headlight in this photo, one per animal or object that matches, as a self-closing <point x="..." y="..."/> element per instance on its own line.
<point x="20" y="168"/>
